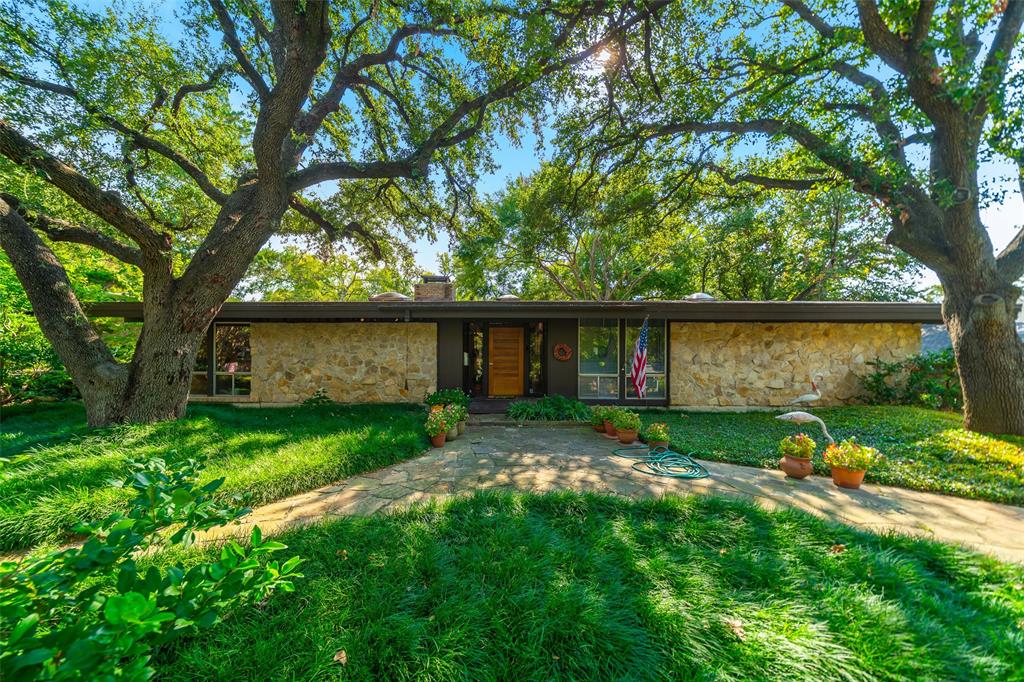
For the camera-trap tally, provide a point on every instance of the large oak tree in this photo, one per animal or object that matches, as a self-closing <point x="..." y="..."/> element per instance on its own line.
<point x="902" y="100"/>
<point x="181" y="158"/>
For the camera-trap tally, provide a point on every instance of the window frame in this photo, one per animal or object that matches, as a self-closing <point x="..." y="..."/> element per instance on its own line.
<point x="579" y="360"/>
<point x="623" y="375"/>
<point x="210" y="373"/>
<point x="626" y="365"/>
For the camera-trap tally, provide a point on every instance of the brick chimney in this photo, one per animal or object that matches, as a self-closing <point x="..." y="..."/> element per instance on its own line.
<point x="434" y="288"/>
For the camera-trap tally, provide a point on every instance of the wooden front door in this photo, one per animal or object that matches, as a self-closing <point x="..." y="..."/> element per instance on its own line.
<point x="505" y="363"/>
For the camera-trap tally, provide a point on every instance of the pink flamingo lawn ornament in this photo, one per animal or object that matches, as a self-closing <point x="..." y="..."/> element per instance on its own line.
<point x="808" y="397"/>
<point x="805" y="418"/>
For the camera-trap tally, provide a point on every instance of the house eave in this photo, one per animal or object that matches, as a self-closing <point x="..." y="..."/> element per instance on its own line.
<point x="675" y="311"/>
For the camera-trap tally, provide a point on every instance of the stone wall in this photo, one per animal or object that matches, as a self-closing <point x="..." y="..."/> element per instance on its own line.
<point x="747" y="364"/>
<point x="354" y="362"/>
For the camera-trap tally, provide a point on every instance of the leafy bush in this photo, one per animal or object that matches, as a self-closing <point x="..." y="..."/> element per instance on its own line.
<point x="656" y="432"/>
<point x="801" y="445"/>
<point x="318" y="399"/>
<point x="597" y="415"/>
<point x="926" y="380"/>
<point x="436" y="423"/>
<point x="90" y="612"/>
<point x="626" y="420"/>
<point x="549" y="408"/>
<point x="448" y="396"/>
<point x="851" y="455"/>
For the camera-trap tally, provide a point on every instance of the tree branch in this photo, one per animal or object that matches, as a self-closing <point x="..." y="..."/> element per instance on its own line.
<point x="62" y="231"/>
<point x="137" y="138"/>
<point x="332" y="231"/>
<point x="227" y="25"/>
<point x="106" y="205"/>
<point x="209" y="84"/>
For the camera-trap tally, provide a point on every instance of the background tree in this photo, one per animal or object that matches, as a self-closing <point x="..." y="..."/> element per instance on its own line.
<point x="565" y="234"/>
<point x="295" y="274"/>
<point x="552" y="235"/>
<point x="902" y="101"/>
<point x="135" y="131"/>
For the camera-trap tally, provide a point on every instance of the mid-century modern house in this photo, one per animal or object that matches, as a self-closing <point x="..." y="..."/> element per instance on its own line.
<point x="702" y="353"/>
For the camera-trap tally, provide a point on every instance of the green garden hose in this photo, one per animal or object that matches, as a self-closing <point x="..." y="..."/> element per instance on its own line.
<point x="661" y="461"/>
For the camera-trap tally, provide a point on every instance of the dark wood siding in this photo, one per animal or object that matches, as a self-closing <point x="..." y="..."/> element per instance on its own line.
<point x="449" y="353"/>
<point x="561" y="375"/>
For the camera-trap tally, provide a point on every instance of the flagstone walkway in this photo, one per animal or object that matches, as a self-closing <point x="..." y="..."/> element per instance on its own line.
<point x="543" y="458"/>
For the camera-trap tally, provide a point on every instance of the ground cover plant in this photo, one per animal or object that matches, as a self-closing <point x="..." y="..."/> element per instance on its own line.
<point x="549" y="408"/>
<point x="90" y="612"/>
<point x="564" y="586"/>
<point x="59" y="473"/>
<point x="924" y="449"/>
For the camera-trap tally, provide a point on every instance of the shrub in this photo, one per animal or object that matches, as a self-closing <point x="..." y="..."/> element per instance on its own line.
<point x="318" y="399"/>
<point x="89" y="612"/>
<point x="597" y="415"/>
<point x="549" y="408"/>
<point x="436" y="423"/>
<point x="656" y="432"/>
<point x="926" y="380"/>
<point x="849" y="454"/>
<point x="800" y="445"/>
<point x="625" y="420"/>
<point x="458" y="413"/>
<point x="448" y="396"/>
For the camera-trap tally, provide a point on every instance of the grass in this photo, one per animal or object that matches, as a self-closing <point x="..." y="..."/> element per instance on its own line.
<point x="924" y="449"/>
<point x="571" y="587"/>
<point x="60" y="471"/>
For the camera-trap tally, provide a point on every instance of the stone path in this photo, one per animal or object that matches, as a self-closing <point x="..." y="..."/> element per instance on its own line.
<point x="541" y="459"/>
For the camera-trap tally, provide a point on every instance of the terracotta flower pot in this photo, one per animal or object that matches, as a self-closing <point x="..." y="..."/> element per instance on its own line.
<point x="626" y="437"/>
<point x="609" y="429"/>
<point x="598" y="427"/>
<point x="796" y="467"/>
<point x="438" y="440"/>
<point x="461" y="426"/>
<point x="657" y="443"/>
<point x="847" y="478"/>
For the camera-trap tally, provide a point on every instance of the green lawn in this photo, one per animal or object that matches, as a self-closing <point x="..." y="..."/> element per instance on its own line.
<point x="564" y="586"/>
<point x="60" y="471"/>
<point x="924" y="449"/>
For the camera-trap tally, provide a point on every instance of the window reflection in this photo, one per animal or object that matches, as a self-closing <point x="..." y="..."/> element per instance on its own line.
<point x="599" y="359"/>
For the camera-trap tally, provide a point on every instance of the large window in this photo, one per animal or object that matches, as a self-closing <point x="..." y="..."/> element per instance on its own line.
<point x="599" y="359"/>
<point x="656" y="386"/>
<point x="232" y="362"/>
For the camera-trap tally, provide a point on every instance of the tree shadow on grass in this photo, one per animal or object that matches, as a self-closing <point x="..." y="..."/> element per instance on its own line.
<point x="563" y="586"/>
<point x="266" y="454"/>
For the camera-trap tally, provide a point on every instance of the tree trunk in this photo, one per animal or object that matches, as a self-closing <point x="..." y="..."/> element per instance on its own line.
<point x="989" y="354"/>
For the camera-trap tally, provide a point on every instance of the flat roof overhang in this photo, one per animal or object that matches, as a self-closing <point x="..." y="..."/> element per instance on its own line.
<point x="675" y="311"/>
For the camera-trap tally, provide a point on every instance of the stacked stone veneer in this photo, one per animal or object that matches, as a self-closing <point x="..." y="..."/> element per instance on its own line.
<point x="358" y="362"/>
<point x="747" y="364"/>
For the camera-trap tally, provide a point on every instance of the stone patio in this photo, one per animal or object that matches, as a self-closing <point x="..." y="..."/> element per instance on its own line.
<point x="542" y="458"/>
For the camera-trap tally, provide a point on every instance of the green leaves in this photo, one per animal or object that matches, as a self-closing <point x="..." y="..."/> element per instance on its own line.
<point x="108" y="629"/>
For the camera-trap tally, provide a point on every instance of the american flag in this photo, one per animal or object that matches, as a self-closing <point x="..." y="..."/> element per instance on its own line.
<point x="638" y="374"/>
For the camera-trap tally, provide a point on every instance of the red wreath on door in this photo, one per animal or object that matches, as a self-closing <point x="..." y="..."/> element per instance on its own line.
<point x="562" y="352"/>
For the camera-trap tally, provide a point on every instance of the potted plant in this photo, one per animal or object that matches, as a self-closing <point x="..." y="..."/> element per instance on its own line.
<point x="460" y="414"/>
<point x="849" y="460"/>
<point x="796" y="455"/>
<point x="436" y="428"/>
<point x="597" y="418"/>
<point x="656" y="435"/>
<point x="627" y="425"/>
<point x="451" y="418"/>
<point x="609" y="428"/>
